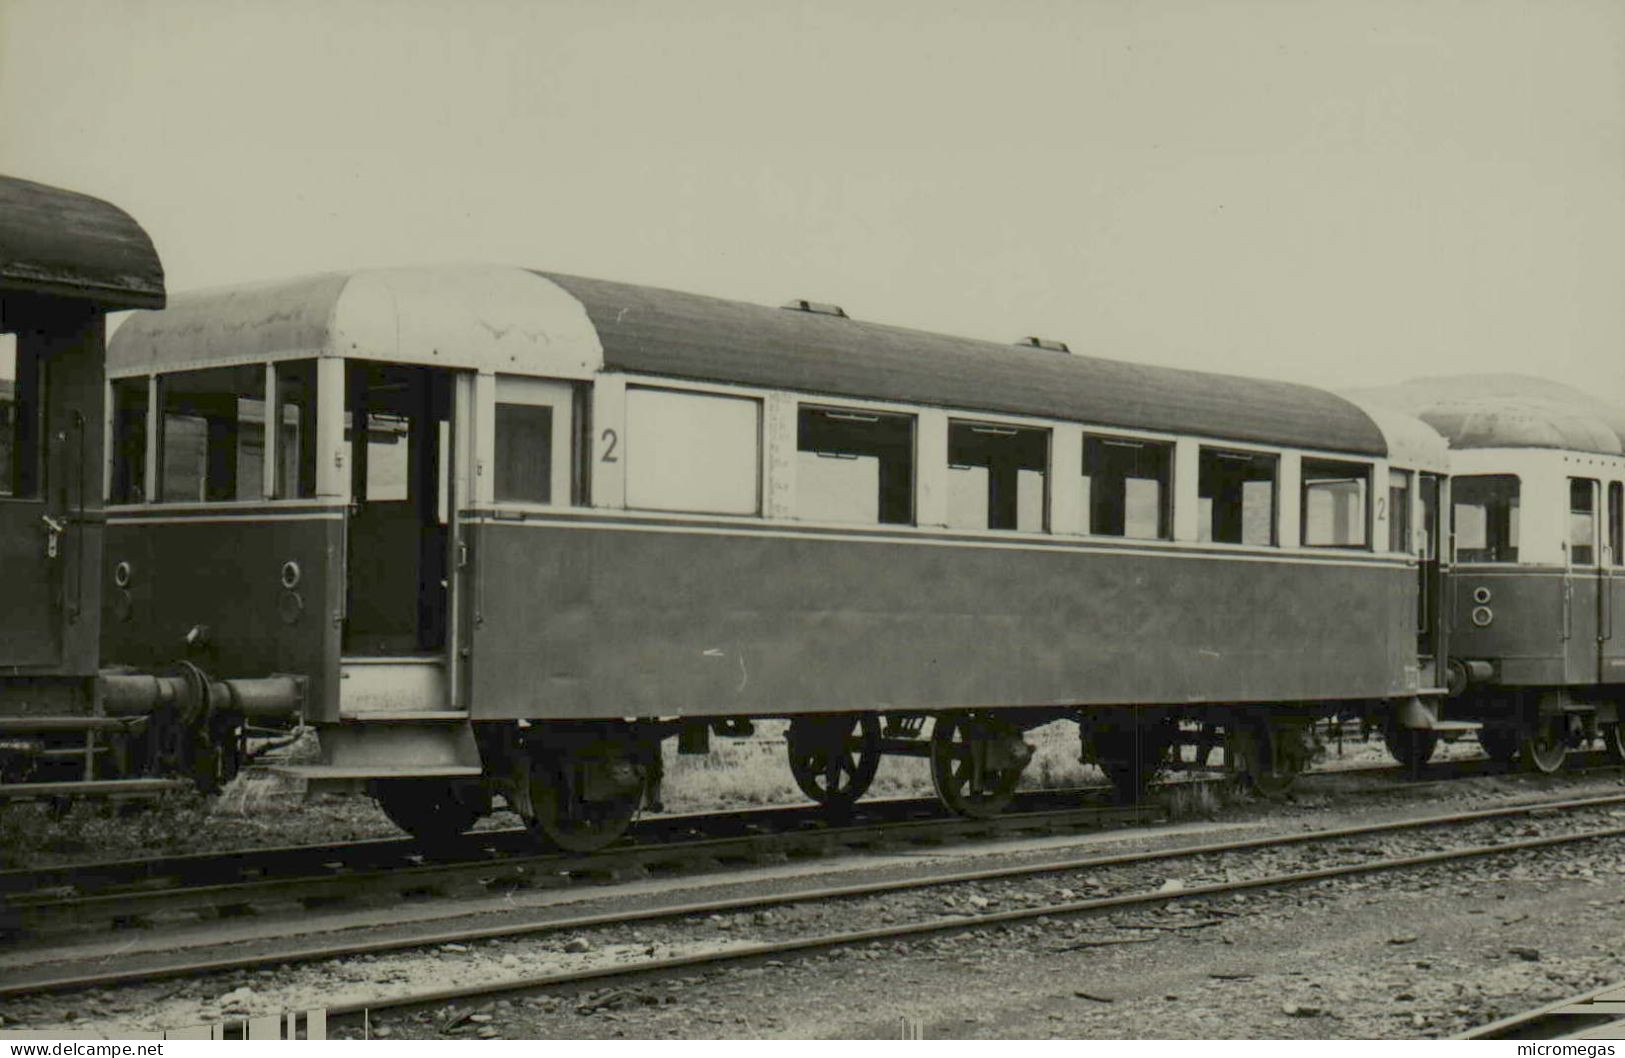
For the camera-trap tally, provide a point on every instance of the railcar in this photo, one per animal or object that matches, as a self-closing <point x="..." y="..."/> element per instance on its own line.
<point x="66" y="261"/>
<point x="514" y="529"/>
<point x="1538" y="513"/>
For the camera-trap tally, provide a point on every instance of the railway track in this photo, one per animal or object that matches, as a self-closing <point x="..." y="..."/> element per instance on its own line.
<point x="137" y="893"/>
<point x="1595" y="1015"/>
<point x="142" y="893"/>
<point x="1425" y="828"/>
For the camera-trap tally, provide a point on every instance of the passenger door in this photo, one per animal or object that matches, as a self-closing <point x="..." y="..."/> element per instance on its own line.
<point x="1582" y="573"/>
<point x="399" y="431"/>
<point x="1430" y="629"/>
<point x="1611" y="655"/>
<point x="32" y="543"/>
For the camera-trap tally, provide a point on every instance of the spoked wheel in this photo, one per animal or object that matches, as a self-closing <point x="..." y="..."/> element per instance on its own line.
<point x="834" y="759"/>
<point x="434" y="811"/>
<point x="1500" y="744"/>
<point x="562" y="818"/>
<point x="976" y="761"/>
<point x="1545" y="747"/>
<point x="1260" y="752"/>
<point x="1410" y="747"/>
<point x="1613" y="740"/>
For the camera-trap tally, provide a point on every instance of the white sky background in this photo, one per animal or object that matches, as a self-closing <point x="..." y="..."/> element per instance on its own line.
<point x="1340" y="192"/>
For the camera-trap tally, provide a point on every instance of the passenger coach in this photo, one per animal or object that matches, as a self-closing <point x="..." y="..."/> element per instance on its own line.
<point x="1539" y="568"/>
<point x="517" y="528"/>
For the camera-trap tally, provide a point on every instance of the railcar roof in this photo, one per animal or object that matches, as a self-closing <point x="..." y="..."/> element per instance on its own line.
<point x="542" y="323"/>
<point x="1508" y="411"/>
<point x="64" y="244"/>
<point x="652" y="331"/>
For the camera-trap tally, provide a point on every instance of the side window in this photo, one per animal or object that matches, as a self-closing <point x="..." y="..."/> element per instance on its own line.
<point x="1485" y="517"/>
<point x="1582" y="521"/>
<point x="1334" y="503"/>
<point x="854" y="466"/>
<point x="535" y="441"/>
<point x="1399" y="511"/>
<point x="1128" y="488"/>
<point x="19" y="421"/>
<point x="996" y="477"/>
<point x="213" y="434"/>
<point x="1616" y="531"/>
<point x="1236" y="491"/>
<point x="296" y="429"/>
<point x="693" y="452"/>
<point x="129" y="471"/>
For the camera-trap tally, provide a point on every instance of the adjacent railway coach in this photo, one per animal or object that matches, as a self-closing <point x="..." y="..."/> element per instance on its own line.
<point x="1538" y="524"/>
<point x="66" y="261"/>
<point x="517" y="528"/>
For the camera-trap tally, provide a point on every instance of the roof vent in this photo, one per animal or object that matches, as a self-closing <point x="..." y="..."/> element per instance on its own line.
<point x="1045" y="343"/>
<point x="821" y="308"/>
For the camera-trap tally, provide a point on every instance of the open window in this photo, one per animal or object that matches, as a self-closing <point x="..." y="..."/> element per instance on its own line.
<point x="536" y="441"/>
<point x="1399" y="511"/>
<point x="996" y="477"/>
<point x="1582" y="521"/>
<point x="1485" y="517"/>
<point x="693" y="452"/>
<point x="854" y="466"/>
<point x="212" y="441"/>
<point x="1128" y="487"/>
<point x="1236" y="491"/>
<point x="127" y="480"/>
<point x="20" y="410"/>
<point x="296" y="429"/>
<point x="1335" y="509"/>
<point x="1616" y="530"/>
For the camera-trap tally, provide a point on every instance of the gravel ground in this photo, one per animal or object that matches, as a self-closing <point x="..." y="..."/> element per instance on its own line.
<point x="261" y="808"/>
<point x="1426" y="952"/>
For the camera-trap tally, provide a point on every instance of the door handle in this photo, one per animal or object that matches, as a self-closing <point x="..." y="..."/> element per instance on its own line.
<point x="53" y="533"/>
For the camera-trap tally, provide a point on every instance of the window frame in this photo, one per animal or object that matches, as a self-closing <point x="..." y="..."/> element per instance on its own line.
<point x="1593" y="489"/>
<point x="1304" y="485"/>
<point x="857" y="412"/>
<point x="563" y="397"/>
<point x="1275" y="460"/>
<point x="992" y="427"/>
<point x="24" y="473"/>
<point x="1165" y="508"/>
<point x="1454" y="532"/>
<point x="759" y="407"/>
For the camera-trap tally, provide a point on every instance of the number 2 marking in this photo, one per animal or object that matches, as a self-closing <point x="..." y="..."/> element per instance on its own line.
<point x="1382" y="507"/>
<point x="609" y="439"/>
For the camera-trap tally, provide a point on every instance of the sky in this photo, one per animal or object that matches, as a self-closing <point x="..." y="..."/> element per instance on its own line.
<point x="1338" y="192"/>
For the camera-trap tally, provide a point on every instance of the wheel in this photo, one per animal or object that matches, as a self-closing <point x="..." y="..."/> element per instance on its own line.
<point x="1132" y="758"/>
<point x="1544" y="748"/>
<point x="834" y="759"/>
<point x="1261" y="757"/>
<point x="1613" y="740"/>
<point x="976" y="762"/>
<point x="562" y="819"/>
<point x="1410" y="747"/>
<point x="1500" y="744"/>
<point x="431" y="810"/>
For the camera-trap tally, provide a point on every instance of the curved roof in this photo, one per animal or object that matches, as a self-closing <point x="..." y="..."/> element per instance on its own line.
<point x="64" y="244"/>
<point x="1412" y="443"/>
<point x="1508" y="411"/>
<point x="653" y="331"/>
<point x="508" y="319"/>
